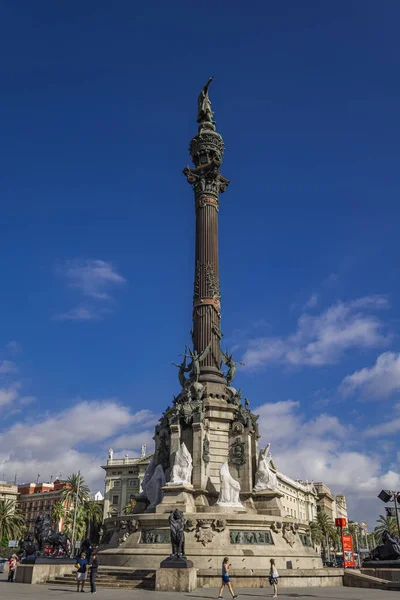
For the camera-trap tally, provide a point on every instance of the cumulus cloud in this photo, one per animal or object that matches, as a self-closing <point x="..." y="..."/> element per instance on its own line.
<point x="380" y="380"/>
<point x="72" y="439"/>
<point x="322" y="449"/>
<point x="323" y="339"/>
<point x="94" y="280"/>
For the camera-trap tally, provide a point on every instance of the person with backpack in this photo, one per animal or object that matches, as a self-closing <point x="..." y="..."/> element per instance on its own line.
<point x="273" y="577"/>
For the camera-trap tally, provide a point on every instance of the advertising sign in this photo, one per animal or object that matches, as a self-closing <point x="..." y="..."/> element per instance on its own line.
<point x="348" y="553"/>
<point x="340" y="522"/>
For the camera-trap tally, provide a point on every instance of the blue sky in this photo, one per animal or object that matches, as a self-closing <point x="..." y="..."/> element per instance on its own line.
<point x="96" y="248"/>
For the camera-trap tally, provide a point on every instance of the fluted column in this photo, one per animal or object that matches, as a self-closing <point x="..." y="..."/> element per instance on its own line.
<point x="207" y="149"/>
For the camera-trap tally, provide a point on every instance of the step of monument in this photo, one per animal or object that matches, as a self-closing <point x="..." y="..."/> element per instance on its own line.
<point x="146" y="584"/>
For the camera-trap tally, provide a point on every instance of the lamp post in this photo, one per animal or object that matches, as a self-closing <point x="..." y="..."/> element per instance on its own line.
<point x="387" y="496"/>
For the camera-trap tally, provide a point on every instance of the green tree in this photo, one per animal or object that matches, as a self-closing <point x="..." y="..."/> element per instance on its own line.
<point x="11" y="521"/>
<point x="93" y="514"/>
<point x="73" y="482"/>
<point x="129" y="507"/>
<point x="385" y="523"/>
<point x="58" y="513"/>
<point x="316" y="533"/>
<point x="326" y="528"/>
<point x="80" y="524"/>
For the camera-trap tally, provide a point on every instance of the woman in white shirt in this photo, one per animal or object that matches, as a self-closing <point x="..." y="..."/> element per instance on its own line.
<point x="273" y="577"/>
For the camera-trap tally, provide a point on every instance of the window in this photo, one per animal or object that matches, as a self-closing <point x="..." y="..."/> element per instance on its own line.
<point x="133" y="482"/>
<point x="115" y="499"/>
<point x="113" y="472"/>
<point x="119" y="472"/>
<point x="117" y="483"/>
<point x="130" y="472"/>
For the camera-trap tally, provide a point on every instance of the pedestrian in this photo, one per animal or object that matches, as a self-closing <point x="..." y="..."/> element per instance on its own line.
<point x="81" y="575"/>
<point x="12" y="567"/>
<point x="273" y="577"/>
<point x="226" y="565"/>
<point x="93" y="572"/>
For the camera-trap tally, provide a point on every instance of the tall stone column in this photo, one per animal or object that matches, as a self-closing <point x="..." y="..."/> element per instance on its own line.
<point x="206" y="149"/>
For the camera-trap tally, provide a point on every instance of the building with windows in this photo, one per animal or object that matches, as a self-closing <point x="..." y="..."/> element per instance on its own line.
<point x="123" y="481"/>
<point x="35" y="498"/>
<point x="334" y="506"/>
<point x="8" y="491"/>
<point x="299" y="498"/>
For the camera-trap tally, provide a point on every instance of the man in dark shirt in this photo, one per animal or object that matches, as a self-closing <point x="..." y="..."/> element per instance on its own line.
<point x="81" y="566"/>
<point x="93" y="572"/>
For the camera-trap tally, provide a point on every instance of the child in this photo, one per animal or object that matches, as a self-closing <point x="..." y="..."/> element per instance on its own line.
<point x="12" y="564"/>
<point x="225" y="579"/>
<point x="273" y="577"/>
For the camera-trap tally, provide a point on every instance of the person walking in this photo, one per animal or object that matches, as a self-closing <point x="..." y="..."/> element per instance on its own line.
<point x="93" y="572"/>
<point x="81" y="575"/>
<point x="273" y="577"/>
<point x="12" y="567"/>
<point x="225" y="578"/>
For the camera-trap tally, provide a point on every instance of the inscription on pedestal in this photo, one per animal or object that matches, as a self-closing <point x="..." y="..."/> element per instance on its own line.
<point x="250" y="537"/>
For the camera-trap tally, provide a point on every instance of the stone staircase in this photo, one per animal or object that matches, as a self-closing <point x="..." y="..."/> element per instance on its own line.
<point x="122" y="578"/>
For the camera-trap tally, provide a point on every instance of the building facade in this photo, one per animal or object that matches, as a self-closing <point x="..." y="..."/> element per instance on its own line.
<point x="299" y="498"/>
<point x="35" y="498"/>
<point x="8" y="491"/>
<point x="334" y="506"/>
<point x="123" y="481"/>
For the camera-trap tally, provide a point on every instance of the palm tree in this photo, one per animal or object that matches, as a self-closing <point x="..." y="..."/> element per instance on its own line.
<point x="129" y="507"/>
<point x="80" y="524"/>
<point x="11" y="521"/>
<point x="327" y="528"/>
<point x="385" y="523"/>
<point x="58" y="513"/>
<point x="93" y="515"/>
<point x="316" y="533"/>
<point x="74" y="482"/>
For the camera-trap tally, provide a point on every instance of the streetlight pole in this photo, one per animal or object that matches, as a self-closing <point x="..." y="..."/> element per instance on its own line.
<point x="75" y="511"/>
<point x="396" y="509"/>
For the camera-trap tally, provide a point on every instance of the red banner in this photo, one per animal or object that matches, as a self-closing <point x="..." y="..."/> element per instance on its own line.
<point x="340" y="522"/>
<point x="348" y="553"/>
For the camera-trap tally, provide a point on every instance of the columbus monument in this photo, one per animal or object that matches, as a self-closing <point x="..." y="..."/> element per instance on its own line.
<point x="206" y="460"/>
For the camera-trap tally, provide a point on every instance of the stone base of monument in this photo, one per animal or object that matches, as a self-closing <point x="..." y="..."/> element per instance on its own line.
<point x="268" y="502"/>
<point x="171" y="578"/>
<point x="248" y="539"/>
<point x="177" y="496"/>
<point x="42" y="569"/>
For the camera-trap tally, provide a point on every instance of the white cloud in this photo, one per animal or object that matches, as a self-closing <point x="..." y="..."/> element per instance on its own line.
<point x="383" y="429"/>
<point x="7" y="366"/>
<point x="9" y="394"/>
<point x="312" y="301"/>
<point x="93" y="278"/>
<point x="80" y="313"/>
<point x="380" y="380"/>
<point x="321" y="449"/>
<point x="72" y="439"/>
<point x="324" y="338"/>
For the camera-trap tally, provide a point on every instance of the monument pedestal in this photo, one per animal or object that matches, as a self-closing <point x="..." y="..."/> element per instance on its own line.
<point x="176" y="579"/>
<point x="268" y="502"/>
<point x="177" y="496"/>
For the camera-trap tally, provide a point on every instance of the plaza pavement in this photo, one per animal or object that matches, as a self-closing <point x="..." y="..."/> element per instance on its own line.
<point x="21" y="591"/>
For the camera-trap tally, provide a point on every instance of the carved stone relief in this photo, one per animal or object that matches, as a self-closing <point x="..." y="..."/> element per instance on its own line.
<point x="250" y="537"/>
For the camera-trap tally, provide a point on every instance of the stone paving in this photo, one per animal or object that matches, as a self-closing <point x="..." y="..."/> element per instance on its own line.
<point x="20" y="591"/>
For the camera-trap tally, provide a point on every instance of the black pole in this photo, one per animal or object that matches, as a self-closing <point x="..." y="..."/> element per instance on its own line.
<point x="397" y="513"/>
